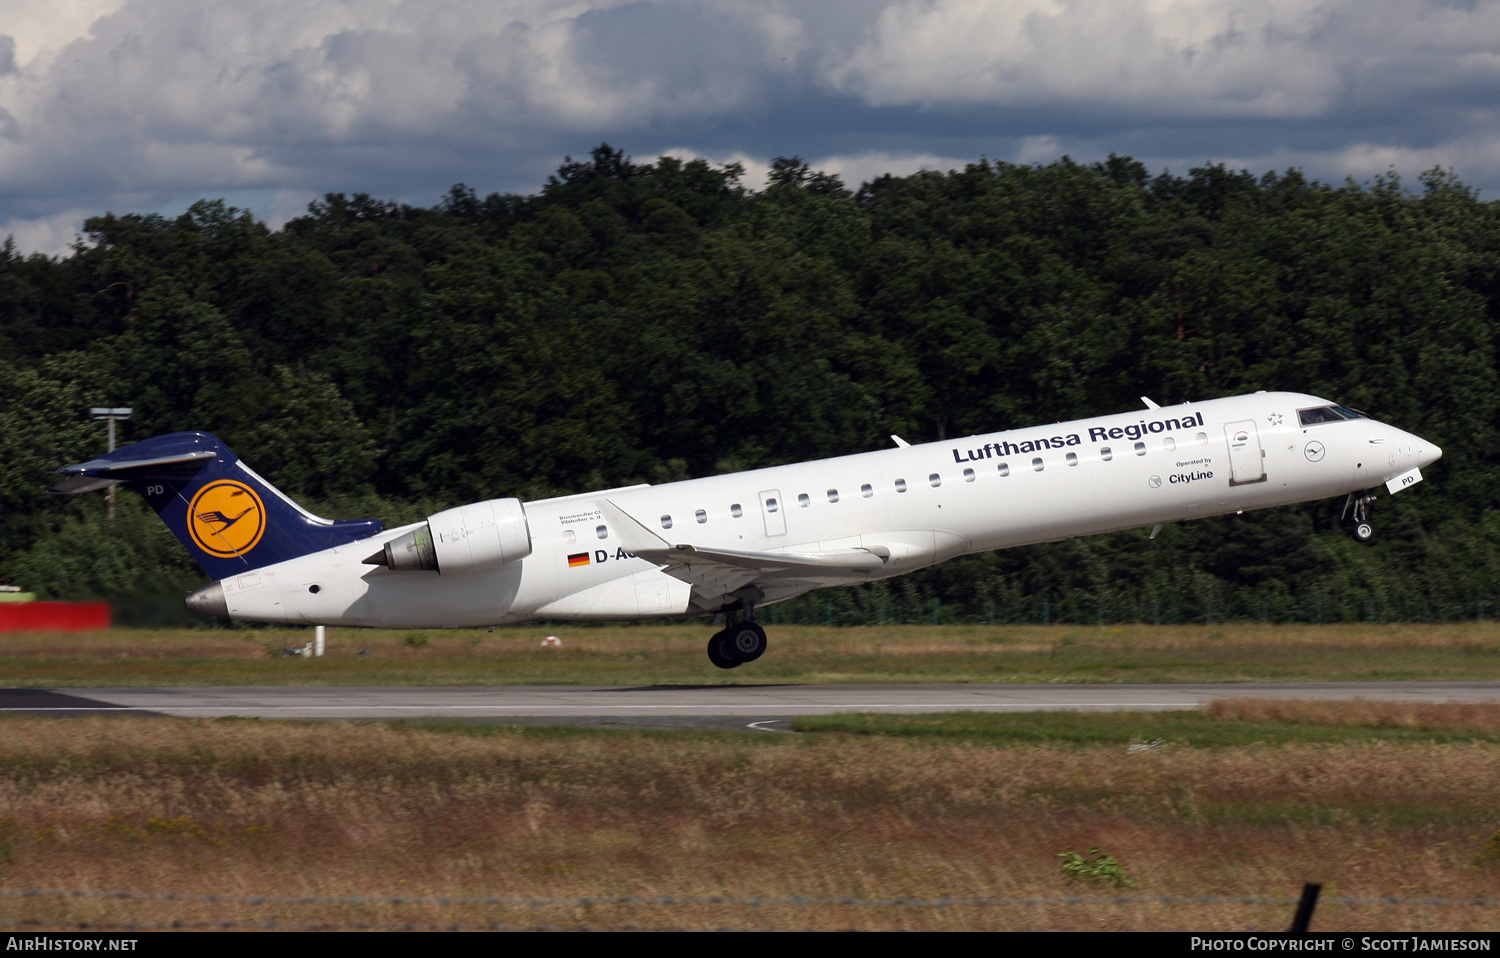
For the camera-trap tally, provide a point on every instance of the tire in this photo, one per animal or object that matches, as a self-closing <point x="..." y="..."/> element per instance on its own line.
<point x="1362" y="531"/>
<point x="718" y="651"/>
<point x="746" y="641"/>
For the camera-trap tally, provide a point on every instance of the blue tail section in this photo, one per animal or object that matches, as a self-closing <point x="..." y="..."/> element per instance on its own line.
<point x="230" y="519"/>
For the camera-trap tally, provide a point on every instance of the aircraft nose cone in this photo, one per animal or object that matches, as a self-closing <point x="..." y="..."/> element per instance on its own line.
<point x="208" y="600"/>
<point x="1428" y="453"/>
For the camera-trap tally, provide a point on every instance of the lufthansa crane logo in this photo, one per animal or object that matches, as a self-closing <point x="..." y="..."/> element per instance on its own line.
<point x="226" y="518"/>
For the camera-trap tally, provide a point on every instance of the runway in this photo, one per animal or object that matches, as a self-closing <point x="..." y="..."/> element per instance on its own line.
<point x="765" y="707"/>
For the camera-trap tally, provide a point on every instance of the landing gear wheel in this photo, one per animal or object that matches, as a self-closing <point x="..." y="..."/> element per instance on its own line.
<point x="719" y="651"/>
<point x="1356" y="518"/>
<point x="747" y="641"/>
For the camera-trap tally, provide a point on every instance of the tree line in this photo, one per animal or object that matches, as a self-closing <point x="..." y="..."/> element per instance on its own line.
<point x="656" y="321"/>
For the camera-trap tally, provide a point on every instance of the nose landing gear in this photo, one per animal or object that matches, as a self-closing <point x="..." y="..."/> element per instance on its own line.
<point x="1356" y="517"/>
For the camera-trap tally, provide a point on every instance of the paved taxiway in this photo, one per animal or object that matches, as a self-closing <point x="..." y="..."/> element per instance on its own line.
<point x="721" y="706"/>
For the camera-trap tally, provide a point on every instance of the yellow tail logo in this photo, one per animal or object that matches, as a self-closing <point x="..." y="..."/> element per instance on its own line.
<point x="226" y="518"/>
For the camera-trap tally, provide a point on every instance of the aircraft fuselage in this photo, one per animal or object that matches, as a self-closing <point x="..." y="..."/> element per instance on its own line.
<point x="890" y="511"/>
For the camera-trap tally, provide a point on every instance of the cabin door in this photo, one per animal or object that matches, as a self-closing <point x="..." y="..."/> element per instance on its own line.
<point x="774" y="511"/>
<point x="1247" y="460"/>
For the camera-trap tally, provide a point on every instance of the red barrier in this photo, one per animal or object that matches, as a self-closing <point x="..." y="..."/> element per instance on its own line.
<point x="53" y="616"/>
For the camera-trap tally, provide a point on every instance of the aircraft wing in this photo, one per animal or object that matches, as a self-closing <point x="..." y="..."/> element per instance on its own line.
<point x="718" y="572"/>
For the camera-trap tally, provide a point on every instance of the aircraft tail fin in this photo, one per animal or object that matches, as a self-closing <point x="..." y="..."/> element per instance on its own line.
<point x="229" y="518"/>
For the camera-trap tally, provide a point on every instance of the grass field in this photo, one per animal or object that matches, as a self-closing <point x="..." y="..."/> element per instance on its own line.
<point x="674" y="655"/>
<point x="1249" y="799"/>
<point x="1246" y="798"/>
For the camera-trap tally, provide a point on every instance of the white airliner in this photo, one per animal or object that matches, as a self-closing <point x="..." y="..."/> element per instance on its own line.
<point x="729" y="544"/>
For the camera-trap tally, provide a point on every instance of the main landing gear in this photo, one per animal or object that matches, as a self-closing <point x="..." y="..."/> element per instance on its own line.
<point x="1356" y="517"/>
<point x="734" y="645"/>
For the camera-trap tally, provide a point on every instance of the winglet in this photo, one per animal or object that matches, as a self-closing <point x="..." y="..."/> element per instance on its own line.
<point x="634" y="536"/>
<point x="900" y="442"/>
<point x="1149" y="403"/>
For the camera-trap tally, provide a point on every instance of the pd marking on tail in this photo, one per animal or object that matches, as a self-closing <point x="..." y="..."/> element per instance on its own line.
<point x="223" y="521"/>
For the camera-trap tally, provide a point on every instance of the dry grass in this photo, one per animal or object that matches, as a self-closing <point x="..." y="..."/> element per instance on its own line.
<point x="1479" y="719"/>
<point x="248" y="808"/>
<point x="674" y="654"/>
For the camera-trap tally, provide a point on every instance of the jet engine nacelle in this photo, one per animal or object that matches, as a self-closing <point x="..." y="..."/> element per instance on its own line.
<point x="485" y="535"/>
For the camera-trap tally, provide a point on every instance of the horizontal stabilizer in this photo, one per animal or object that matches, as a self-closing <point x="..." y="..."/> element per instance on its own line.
<point x="73" y="485"/>
<point x="115" y="468"/>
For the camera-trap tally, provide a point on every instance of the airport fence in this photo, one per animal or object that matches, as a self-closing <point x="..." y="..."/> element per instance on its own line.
<point x="849" y="607"/>
<point x="890" y="604"/>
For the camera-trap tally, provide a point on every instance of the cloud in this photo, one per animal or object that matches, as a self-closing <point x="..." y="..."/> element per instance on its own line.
<point x="41" y="28"/>
<point x="52" y="235"/>
<point x="861" y="168"/>
<point x="757" y="169"/>
<point x="1171" y="58"/>
<point x="284" y="206"/>
<point x="1363" y="162"/>
<point x="1038" y="149"/>
<point x="1181" y="57"/>
<point x="663" y="61"/>
<point x="234" y="95"/>
<point x="133" y="104"/>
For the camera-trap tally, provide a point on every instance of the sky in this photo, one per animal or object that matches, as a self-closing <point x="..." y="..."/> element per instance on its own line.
<point x="137" y="106"/>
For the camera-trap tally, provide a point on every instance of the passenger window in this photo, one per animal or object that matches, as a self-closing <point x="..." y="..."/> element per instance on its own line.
<point x="935" y="480"/>
<point x="803" y="500"/>
<point x="1037" y="465"/>
<point x="772" y="505"/>
<point x="1004" y="470"/>
<point x="833" y="495"/>
<point x="736" y="511"/>
<point x="569" y="536"/>
<point x="701" y="516"/>
<point x="1169" y="444"/>
<point x="968" y="475"/>
<point x="1106" y="454"/>
<point x="1201" y="438"/>
<point x="900" y="485"/>
<point x="602" y="532"/>
<point x="666" y="522"/>
<point x="866" y="491"/>
<point x="1140" y="449"/>
<point x="1072" y="458"/>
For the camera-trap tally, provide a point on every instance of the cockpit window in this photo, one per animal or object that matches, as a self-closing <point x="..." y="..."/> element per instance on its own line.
<point x="1351" y="413"/>
<point x="1311" y="417"/>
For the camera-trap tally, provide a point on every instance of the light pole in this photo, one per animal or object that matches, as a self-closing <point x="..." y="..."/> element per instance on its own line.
<point x="113" y="415"/>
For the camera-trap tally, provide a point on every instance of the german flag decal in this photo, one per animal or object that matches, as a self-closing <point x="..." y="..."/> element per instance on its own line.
<point x="577" y="559"/>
